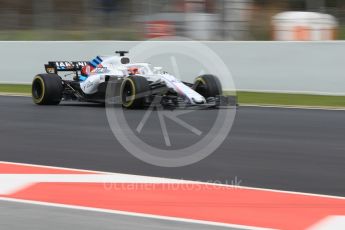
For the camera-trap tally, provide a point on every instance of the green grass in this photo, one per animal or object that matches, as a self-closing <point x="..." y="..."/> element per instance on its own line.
<point x="290" y="99"/>
<point x="243" y="97"/>
<point x="11" y="88"/>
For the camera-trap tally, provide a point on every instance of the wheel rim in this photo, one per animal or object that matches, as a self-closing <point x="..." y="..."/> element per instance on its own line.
<point x="200" y="86"/>
<point x="128" y="93"/>
<point x="38" y="90"/>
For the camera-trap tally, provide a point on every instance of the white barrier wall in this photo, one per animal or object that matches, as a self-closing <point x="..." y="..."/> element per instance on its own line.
<point x="300" y="67"/>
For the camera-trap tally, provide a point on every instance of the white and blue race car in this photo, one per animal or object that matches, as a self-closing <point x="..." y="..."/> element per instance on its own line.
<point x="136" y="85"/>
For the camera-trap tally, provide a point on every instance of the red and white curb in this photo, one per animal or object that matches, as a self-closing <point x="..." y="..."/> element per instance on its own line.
<point x="180" y="200"/>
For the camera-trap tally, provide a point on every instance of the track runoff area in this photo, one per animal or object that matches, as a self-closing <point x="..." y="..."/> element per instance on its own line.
<point x="213" y="205"/>
<point x="232" y="206"/>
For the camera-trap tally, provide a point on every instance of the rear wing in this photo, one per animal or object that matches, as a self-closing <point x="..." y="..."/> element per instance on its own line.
<point x="66" y="66"/>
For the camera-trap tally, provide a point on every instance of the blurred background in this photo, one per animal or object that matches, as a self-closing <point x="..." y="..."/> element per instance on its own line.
<point x="196" y="19"/>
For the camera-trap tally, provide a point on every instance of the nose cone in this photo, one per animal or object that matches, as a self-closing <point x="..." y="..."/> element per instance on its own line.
<point x="199" y="100"/>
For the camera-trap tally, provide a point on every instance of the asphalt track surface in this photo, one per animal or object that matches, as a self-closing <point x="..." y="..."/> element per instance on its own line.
<point x="36" y="217"/>
<point x="287" y="149"/>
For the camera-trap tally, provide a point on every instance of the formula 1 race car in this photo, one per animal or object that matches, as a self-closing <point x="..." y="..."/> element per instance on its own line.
<point x="134" y="84"/>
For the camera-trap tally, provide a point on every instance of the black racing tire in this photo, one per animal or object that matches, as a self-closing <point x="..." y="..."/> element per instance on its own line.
<point x="208" y="86"/>
<point x="134" y="90"/>
<point x="47" y="89"/>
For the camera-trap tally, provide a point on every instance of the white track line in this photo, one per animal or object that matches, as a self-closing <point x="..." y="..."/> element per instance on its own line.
<point x="326" y="108"/>
<point x="309" y="93"/>
<point x="192" y="221"/>
<point x="305" y="107"/>
<point x="15" y="94"/>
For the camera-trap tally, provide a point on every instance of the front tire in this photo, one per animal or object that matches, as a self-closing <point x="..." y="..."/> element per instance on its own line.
<point x="47" y="89"/>
<point x="134" y="90"/>
<point x="208" y="86"/>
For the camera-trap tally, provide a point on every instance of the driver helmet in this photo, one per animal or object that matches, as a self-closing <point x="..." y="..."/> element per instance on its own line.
<point x="133" y="70"/>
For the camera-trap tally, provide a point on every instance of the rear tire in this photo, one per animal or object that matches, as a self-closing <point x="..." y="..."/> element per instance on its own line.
<point x="47" y="89"/>
<point x="134" y="90"/>
<point x="208" y="86"/>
